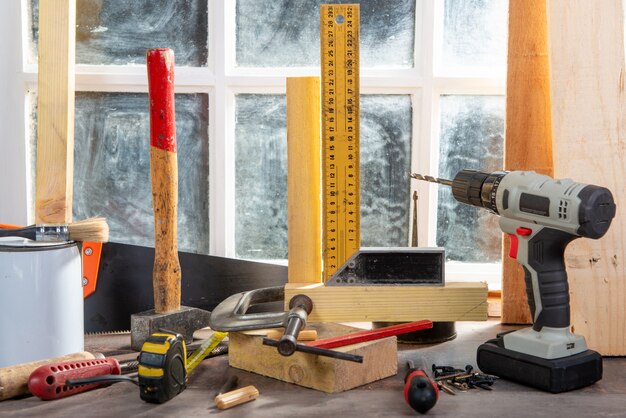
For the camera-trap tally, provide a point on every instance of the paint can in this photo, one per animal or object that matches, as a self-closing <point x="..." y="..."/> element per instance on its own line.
<point x="41" y="300"/>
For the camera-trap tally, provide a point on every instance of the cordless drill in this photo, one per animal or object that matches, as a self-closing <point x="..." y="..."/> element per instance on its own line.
<point x="541" y="215"/>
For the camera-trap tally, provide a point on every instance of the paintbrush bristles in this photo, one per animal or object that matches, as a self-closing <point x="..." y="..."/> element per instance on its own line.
<point x="92" y="229"/>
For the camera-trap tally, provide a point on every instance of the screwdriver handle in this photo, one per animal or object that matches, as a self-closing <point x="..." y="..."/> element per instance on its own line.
<point x="49" y="381"/>
<point x="420" y="391"/>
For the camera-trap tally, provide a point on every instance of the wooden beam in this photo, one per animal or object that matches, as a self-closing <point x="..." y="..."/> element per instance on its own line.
<point x="452" y="302"/>
<point x="304" y="180"/>
<point x="528" y="139"/>
<point x="55" y="113"/>
<point x="589" y="131"/>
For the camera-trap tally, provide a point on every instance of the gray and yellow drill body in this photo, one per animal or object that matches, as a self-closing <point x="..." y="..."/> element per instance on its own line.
<point x="542" y="216"/>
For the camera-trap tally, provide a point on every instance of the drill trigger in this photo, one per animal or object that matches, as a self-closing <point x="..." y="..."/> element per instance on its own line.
<point x="513" y="246"/>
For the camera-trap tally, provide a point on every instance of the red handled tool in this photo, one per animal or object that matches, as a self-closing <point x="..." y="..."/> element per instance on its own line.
<point x="49" y="382"/>
<point x="369" y="335"/>
<point x="420" y="391"/>
<point x="166" y="274"/>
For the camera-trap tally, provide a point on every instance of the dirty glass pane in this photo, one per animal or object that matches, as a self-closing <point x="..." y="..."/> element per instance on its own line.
<point x="112" y="167"/>
<point x="285" y="33"/>
<point x="385" y="163"/>
<point x="475" y="33"/>
<point x="261" y="176"/>
<point x="472" y="135"/>
<point x="118" y="32"/>
<point x="261" y="173"/>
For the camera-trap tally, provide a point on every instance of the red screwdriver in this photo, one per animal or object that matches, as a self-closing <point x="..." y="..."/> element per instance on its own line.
<point x="49" y="382"/>
<point x="420" y="391"/>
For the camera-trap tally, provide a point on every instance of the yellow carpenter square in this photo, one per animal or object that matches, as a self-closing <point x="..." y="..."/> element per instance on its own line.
<point x="339" y="35"/>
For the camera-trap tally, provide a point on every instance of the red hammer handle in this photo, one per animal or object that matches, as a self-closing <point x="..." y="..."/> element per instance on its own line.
<point x="164" y="177"/>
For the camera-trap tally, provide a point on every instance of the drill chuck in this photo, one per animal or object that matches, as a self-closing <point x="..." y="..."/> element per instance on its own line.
<point x="477" y="188"/>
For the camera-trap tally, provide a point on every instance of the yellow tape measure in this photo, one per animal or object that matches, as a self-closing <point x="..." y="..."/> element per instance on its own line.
<point x="339" y="34"/>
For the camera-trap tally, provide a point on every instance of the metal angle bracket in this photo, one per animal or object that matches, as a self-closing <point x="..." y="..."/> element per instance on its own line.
<point x="393" y="266"/>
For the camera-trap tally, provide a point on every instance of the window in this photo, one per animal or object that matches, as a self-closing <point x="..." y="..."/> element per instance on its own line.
<point x="432" y="85"/>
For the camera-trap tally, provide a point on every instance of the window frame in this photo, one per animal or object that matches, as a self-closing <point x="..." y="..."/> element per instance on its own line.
<point x="222" y="80"/>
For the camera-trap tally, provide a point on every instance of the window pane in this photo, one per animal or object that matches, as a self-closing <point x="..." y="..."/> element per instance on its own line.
<point x="112" y="166"/>
<point x="472" y="136"/>
<point x="475" y="33"/>
<point x="261" y="177"/>
<point x="118" y="32"/>
<point x="386" y="126"/>
<point x="261" y="173"/>
<point x="285" y="33"/>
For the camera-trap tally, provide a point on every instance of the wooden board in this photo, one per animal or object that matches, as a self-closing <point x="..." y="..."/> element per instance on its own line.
<point x="304" y="182"/>
<point x="589" y="131"/>
<point x="452" y="302"/>
<point x="328" y="375"/>
<point x="528" y="139"/>
<point x="55" y="111"/>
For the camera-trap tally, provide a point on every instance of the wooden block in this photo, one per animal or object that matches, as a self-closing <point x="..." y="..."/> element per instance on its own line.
<point x="528" y="139"/>
<point x="304" y="180"/>
<point x="589" y="130"/>
<point x="380" y="360"/>
<point x="55" y="111"/>
<point x="452" y="302"/>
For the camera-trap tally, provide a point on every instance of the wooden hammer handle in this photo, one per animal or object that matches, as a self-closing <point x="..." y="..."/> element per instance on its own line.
<point x="164" y="177"/>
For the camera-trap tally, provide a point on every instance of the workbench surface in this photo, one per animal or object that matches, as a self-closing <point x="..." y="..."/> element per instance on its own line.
<point x="379" y="399"/>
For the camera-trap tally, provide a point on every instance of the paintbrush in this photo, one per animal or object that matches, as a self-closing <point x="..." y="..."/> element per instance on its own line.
<point x="92" y="229"/>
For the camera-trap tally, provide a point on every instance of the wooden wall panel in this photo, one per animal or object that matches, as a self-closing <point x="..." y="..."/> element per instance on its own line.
<point x="589" y="131"/>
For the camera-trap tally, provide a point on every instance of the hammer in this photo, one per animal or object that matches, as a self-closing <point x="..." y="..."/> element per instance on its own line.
<point x="168" y="314"/>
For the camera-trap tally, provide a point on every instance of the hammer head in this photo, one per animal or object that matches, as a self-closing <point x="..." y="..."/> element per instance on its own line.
<point x="184" y="321"/>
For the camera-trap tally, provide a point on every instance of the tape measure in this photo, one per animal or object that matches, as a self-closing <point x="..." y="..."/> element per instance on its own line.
<point x="164" y="366"/>
<point x="339" y="35"/>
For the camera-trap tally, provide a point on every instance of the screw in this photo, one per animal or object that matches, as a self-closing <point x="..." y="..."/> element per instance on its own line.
<point x="85" y="281"/>
<point x="88" y="251"/>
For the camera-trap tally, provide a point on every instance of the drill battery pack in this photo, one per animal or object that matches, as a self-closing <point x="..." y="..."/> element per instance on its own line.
<point x="556" y="375"/>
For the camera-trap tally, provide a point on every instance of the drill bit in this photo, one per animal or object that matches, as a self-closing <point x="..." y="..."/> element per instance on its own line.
<point x="432" y="179"/>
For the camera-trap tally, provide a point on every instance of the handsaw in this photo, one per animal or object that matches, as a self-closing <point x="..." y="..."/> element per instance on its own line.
<point x="124" y="283"/>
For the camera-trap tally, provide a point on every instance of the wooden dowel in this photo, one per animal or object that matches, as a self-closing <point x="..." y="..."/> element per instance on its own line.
<point x="236" y="397"/>
<point x="304" y="335"/>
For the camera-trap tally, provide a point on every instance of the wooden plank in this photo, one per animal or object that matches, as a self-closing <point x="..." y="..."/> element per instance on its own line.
<point x="589" y="131"/>
<point x="55" y="113"/>
<point x="452" y="302"/>
<point x="304" y="180"/>
<point x="380" y="360"/>
<point x="528" y="139"/>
